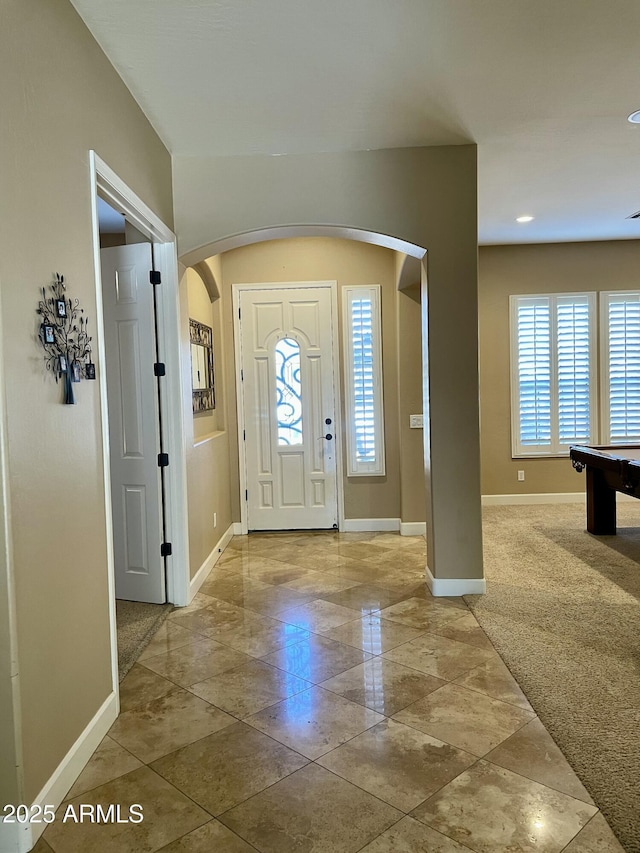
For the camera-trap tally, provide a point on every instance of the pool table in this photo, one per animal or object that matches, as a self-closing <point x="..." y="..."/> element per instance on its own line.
<point x="609" y="470"/>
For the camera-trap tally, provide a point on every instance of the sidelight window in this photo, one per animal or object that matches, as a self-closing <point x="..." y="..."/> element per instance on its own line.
<point x="363" y="381"/>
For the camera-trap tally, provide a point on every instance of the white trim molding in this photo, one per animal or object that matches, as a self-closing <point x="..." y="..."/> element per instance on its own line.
<point x="201" y="575"/>
<point x="373" y="525"/>
<point x="541" y="498"/>
<point x="66" y="773"/>
<point x="237" y="528"/>
<point x="413" y="528"/>
<point x="105" y="181"/>
<point x="14" y="837"/>
<point x="455" y="586"/>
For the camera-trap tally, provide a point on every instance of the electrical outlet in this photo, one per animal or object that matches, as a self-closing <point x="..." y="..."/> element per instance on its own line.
<point x="521" y="476"/>
<point x="215" y="519"/>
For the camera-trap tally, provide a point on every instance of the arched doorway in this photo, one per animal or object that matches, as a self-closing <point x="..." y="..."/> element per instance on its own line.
<point x="412" y="268"/>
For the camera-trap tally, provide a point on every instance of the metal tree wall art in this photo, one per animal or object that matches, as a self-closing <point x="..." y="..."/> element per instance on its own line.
<point x="63" y="334"/>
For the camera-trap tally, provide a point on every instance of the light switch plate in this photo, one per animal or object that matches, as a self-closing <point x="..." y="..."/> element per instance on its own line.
<point x="416" y="421"/>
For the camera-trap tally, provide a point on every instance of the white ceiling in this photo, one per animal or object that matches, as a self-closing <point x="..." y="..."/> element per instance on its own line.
<point x="542" y="86"/>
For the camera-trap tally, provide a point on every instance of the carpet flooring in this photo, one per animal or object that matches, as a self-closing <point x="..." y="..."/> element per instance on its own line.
<point x="136" y="624"/>
<point x="563" y="609"/>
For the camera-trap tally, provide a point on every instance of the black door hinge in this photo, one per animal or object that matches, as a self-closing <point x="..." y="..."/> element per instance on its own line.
<point x="246" y="494"/>
<point x="166" y="549"/>
<point x="159" y="369"/>
<point x="163" y="460"/>
<point x="244" y="434"/>
<point x="155" y="277"/>
<point x="241" y="375"/>
<point x="239" y="313"/>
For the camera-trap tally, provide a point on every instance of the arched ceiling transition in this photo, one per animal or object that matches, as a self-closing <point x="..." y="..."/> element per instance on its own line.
<point x="409" y="266"/>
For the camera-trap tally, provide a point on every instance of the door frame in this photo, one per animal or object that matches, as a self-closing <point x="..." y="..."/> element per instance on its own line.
<point x="236" y="290"/>
<point x="105" y="181"/>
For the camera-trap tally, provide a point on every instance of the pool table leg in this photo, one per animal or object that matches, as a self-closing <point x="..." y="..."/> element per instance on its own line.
<point x="601" y="504"/>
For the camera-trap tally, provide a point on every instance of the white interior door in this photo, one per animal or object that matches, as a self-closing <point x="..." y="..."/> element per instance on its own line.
<point x="136" y="491"/>
<point x="289" y="410"/>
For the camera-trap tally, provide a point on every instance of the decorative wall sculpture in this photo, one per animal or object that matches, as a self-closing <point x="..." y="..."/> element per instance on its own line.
<point x="64" y="337"/>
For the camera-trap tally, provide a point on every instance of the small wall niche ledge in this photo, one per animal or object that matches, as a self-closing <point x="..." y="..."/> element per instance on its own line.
<point x="210" y="437"/>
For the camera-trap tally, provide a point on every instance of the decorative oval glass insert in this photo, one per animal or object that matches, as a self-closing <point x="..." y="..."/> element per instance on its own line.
<point x="288" y="392"/>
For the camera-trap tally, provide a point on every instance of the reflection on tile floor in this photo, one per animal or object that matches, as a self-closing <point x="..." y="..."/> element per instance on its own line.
<point x="315" y="698"/>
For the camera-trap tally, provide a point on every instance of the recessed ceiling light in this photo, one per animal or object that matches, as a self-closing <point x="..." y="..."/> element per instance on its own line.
<point x="524" y="219"/>
<point x="634" y="118"/>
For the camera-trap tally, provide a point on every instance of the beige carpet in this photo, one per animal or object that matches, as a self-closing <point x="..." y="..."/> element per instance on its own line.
<point x="136" y="624"/>
<point x="563" y="609"/>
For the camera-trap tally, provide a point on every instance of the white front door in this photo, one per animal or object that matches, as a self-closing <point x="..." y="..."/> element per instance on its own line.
<point x="286" y="346"/>
<point x="136" y="490"/>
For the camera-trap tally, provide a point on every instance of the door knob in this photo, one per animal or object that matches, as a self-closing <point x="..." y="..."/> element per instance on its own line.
<point x="328" y="436"/>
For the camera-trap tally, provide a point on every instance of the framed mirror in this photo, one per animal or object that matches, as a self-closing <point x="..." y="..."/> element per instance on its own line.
<point x="202" y="379"/>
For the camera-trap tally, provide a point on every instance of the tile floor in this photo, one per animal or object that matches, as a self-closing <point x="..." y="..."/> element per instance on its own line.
<point x="315" y="698"/>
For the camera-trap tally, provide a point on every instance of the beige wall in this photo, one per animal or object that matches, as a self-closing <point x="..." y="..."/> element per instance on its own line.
<point x="412" y="493"/>
<point x="426" y="196"/>
<point x="551" y="268"/>
<point x="61" y="97"/>
<point x="349" y="263"/>
<point x="208" y="475"/>
<point x="10" y="762"/>
<point x="208" y="492"/>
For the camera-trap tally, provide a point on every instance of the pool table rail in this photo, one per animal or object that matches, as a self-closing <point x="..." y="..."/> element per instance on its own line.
<point x="608" y="470"/>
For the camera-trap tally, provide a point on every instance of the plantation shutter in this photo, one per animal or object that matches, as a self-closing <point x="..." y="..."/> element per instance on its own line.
<point x="534" y="372"/>
<point x="621" y="348"/>
<point x="363" y="380"/>
<point x="574" y="359"/>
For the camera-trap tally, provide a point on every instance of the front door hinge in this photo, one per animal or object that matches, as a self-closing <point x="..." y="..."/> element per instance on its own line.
<point x="246" y="494"/>
<point x="244" y="435"/>
<point x="166" y="549"/>
<point x="163" y="460"/>
<point x="159" y="369"/>
<point x="155" y="277"/>
<point x="241" y="375"/>
<point x="239" y="313"/>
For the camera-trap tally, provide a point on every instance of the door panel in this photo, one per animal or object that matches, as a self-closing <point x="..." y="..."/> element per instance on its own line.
<point x="287" y="394"/>
<point x="133" y="423"/>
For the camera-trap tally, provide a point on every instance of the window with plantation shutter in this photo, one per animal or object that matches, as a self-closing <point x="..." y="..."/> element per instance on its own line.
<point x="620" y="325"/>
<point x="576" y="363"/>
<point x="363" y="381"/>
<point x="552" y="372"/>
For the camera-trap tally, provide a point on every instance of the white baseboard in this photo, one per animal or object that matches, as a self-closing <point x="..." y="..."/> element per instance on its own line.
<point x="542" y="498"/>
<point x="413" y="528"/>
<point x="237" y="528"/>
<point x="366" y="525"/>
<point x="455" y="586"/>
<point x="201" y="575"/>
<point x="66" y="773"/>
